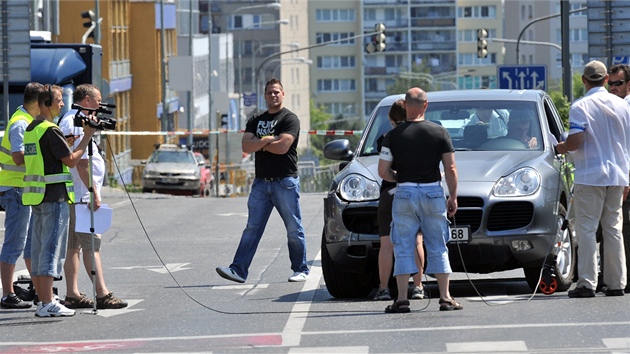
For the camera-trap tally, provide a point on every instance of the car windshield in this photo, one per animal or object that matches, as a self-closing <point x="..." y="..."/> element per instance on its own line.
<point x="474" y="125"/>
<point x="172" y="156"/>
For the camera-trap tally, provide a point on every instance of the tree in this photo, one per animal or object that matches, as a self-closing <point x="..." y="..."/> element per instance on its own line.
<point x="324" y="121"/>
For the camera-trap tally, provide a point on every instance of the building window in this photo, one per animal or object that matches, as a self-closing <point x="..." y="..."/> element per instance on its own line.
<point x="339" y="37"/>
<point x="471" y="35"/>
<point x="336" y="62"/>
<point x="336" y="85"/>
<point x="470" y="59"/>
<point x="335" y="15"/>
<point x="477" y="12"/>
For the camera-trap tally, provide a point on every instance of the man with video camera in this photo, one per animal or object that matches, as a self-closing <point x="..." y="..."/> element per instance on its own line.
<point x="89" y="97"/>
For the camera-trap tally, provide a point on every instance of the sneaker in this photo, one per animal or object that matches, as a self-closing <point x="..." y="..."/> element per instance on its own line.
<point x="12" y="301"/>
<point x="382" y="295"/>
<point x="416" y="292"/>
<point x="298" y="277"/>
<point x="82" y="302"/>
<point x="611" y="292"/>
<point x="53" y="309"/>
<point x="110" y="301"/>
<point x="581" y="292"/>
<point x="229" y="274"/>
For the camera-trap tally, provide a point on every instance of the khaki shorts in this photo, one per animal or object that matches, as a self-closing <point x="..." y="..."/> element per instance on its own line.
<point x="78" y="240"/>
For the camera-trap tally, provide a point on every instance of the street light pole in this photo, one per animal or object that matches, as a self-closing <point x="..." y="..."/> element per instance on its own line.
<point x="293" y="45"/>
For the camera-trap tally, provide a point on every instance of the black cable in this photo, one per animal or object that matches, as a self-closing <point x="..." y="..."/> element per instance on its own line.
<point x="182" y="288"/>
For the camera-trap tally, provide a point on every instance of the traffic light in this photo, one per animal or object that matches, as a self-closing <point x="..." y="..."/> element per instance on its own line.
<point x="90" y="15"/>
<point x="378" y="40"/>
<point x="482" y="43"/>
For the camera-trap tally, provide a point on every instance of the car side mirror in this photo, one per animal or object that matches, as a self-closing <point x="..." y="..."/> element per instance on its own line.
<point x="338" y="150"/>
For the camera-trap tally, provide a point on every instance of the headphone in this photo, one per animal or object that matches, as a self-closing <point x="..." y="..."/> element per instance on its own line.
<point x="48" y="102"/>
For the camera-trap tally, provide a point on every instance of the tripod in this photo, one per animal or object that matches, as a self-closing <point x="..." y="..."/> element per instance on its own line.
<point x="93" y="234"/>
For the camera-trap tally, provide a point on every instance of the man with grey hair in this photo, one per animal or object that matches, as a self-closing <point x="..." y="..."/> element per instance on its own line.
<point x="598" y="141"/>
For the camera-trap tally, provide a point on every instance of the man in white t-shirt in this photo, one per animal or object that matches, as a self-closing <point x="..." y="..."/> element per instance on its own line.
<point x="599" y="139"/>
<point x="87" y="96"/>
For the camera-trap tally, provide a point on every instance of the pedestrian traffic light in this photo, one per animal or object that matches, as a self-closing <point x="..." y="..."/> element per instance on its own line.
<point x="482" y="43"/>
<point x="90" y="15"/>
<point x="377" y="44"/>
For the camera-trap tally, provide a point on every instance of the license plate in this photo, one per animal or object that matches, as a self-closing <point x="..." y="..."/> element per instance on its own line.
<point x="459" y="234"/>
<point x="169" y="180"/>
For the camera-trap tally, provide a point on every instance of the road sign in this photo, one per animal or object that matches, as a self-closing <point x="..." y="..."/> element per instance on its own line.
<point x="522" y="77"/>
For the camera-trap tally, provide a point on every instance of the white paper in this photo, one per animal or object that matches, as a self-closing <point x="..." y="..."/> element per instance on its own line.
<point x="102" y="219"/>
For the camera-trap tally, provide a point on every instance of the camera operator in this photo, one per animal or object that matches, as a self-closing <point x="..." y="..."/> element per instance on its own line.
<point x="86" y="96"/>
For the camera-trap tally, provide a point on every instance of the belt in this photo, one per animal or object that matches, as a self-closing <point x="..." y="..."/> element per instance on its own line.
<point x="270" y="179"/>
<point x="414" y="184"/>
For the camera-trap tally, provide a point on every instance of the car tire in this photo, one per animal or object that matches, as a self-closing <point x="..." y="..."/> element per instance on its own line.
<point x="344" y="285"/>
<point x="147" y="190"/>
<point x="564" y="265"/>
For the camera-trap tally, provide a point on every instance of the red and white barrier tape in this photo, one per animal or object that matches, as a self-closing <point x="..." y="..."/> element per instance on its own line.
<point x="223" y="131"/>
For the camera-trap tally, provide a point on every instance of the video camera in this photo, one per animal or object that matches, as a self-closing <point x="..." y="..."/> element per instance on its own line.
<point x="102" y="123"/>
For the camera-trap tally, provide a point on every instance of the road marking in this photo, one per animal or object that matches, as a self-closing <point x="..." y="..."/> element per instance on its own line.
<point x="616" y="343"/>
<point x="232" y="214"/>
<point x="170" y="267"/>
<point x="292" y="333"/>
<point x="363" y="349"/>
<point x="485" y="347"/>
<point x="240" y="287"/>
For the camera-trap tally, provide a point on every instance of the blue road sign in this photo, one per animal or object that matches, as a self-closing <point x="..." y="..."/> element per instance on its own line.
<point x="522" y="77"/>
<point x="620" y="60"/>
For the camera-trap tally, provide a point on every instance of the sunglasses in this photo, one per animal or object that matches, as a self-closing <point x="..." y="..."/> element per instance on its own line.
<point x="616" y="83"/>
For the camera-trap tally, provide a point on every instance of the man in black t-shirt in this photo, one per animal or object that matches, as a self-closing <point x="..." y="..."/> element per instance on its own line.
<point x="419" y="198"/>
<point x="273" y="136"/>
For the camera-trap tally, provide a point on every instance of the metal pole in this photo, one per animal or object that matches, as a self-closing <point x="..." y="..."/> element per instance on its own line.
<point x="97" y="29"/>
<point x="210" y="125"/>
<point x="164" y="117"/>
<point x="567" y="80"/>
<point x="192" y="87"/>
<point x="538" y="20"/>
<point x="5" y="60"/>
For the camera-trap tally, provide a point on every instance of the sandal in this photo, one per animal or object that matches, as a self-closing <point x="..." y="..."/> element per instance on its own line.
<point x="78" y="303"/>
<point x="398" y="307"/>
<point x="450" y="305"/>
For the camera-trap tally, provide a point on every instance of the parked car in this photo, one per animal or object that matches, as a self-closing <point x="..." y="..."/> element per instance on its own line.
<point x="512" y="195"/>
<point x="172" y="169"/>
<point x="206" y="182"/>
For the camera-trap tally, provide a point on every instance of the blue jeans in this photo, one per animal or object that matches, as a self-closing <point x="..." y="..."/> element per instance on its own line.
<point x="284" y="195"/>
<point x="16" y="226"/>
<point x="50" y="236"/>
<point x="420" y="207"/>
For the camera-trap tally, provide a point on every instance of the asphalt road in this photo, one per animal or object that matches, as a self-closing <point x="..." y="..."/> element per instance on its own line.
<point x="160" y="256"/>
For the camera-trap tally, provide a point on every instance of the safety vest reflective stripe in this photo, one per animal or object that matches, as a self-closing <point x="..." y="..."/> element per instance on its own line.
<point x="5" y="150"/>
<point x="63" y="177"/>
<point x="15" y="168"/>
<point x="41" y="190"/>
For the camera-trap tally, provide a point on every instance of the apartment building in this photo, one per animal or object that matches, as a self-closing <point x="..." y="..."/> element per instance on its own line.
<point x="546" y="34"/>
<point x="432" y="40"/>
<point x="255" y="33"/>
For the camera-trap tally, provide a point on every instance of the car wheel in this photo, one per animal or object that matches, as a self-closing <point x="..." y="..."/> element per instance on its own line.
<point x="342" y="284"/>
<point x="146" y="190"/>
<point x="564" y="264"/>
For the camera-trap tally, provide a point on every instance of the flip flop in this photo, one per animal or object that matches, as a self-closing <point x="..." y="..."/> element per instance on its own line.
<point x="398" y="307"/>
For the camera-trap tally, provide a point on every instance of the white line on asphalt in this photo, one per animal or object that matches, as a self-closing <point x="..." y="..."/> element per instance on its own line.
<point x="486" y="347"/>
<point x="292" y="333"/>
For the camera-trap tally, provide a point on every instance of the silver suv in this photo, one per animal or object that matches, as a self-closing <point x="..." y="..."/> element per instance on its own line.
<point x="512" y="193"/>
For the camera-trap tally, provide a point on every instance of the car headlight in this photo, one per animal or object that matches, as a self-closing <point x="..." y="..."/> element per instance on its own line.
<point x="525" y="181"/>
<point x="356" y="188"/>
<point x="150" y="173"/>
